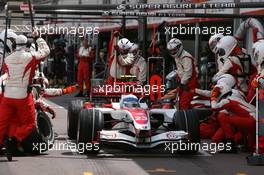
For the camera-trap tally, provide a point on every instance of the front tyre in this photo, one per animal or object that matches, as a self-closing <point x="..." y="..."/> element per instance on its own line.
<point x="74" y="109"/>
<point x="90" y="124"/>
<point x="188" y="121"/>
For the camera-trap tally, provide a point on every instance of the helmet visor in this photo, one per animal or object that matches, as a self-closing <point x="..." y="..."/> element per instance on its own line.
<point x="255" y="56"/>
<point x="221" y="52"/>
<point x="131" y="104"/>
<point x="175" y="50"/>
<point x="212" y="46"/>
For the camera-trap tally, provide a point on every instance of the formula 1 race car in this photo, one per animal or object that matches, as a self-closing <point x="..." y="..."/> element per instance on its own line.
<point x="132" y="123"/>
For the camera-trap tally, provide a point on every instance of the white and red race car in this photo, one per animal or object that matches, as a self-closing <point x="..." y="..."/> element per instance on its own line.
<point x="132" y="123"/>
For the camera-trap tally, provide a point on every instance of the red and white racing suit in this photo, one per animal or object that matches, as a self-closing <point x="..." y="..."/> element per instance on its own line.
<point x="187" y="76"/>
<point x="120" y="65"/>
<point x="4" y="76"/>
<point x="238" y="118"/>
<point x="139" y="68"/>
<point x="17" y="103"/>
<point x="232" y="65"/>
<point x="211" y="128"/>
<point x="255" y="83"/>
<point x="51" y="92"/>
<point x="85" y="57"/>
<point x="2" y="82"/>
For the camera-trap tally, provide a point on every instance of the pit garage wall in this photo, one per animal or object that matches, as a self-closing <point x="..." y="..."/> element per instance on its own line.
<point x="133" y="24"/>
<point x="188" y="40"/>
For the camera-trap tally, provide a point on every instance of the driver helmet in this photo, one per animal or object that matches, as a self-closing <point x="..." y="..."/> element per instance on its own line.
<point x="134" y="49"/>
<point x="259" y="54"/>
<point x="124" y="45"/>
<point x="224" y="88"/>
<point x="129" y="101"/>
<point x="10" y="39"/>
<point x="214" y="39"/>
<point x="175" y="47"/>
<point x="21" y="42"/>
<point x="225" y="78"/>
<point x="225" y="46"/>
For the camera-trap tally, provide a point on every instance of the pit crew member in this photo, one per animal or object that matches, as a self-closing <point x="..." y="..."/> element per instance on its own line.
<point x="121" y="64"/>
<point x="17" y="102"/>
<point x="40" y="83"/>
<point x="186" y="72"/>
<point x="139" y="67"/>
<point x="229" y="50"/>
<point x="212" y="46"/>
<point x="210" y="128"/>
<point x="238" y="118"/>
<point x="85" y="56"/>
<point x="9" y="48"/>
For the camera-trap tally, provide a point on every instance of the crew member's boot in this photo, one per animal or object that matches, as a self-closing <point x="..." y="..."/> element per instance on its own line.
<point x="10" y="146"/>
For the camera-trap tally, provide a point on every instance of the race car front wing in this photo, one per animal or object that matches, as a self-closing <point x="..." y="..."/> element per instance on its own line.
<point x="117" y="137"/>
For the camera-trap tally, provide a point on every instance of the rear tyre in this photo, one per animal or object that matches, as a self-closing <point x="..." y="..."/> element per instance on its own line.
<point x="41" y="138"/>
<point x="188" y="121"/>
<point x="74" y="109"/>
<point x="203" y="113"/>
<point x="90" y="123"/>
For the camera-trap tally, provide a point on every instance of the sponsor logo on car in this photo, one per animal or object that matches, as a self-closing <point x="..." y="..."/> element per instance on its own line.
<point x="171" y="135"/>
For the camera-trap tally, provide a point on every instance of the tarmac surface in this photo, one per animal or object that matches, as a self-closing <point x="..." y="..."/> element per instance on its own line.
<point x="112" y="161"/>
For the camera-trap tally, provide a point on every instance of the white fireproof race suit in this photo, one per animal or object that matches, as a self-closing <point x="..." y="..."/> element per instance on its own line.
<point x="187" y="76"/>
<point x="120" y="65"/>
<point x="17" y="105"/>
<point x="139" y="68"/>
<point x="22" y="68"/>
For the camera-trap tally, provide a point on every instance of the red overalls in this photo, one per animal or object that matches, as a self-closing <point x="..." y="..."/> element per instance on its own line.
<point x="84" y="72"/>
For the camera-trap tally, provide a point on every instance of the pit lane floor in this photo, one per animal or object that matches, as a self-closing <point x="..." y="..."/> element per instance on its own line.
<point x="114" y="161"/>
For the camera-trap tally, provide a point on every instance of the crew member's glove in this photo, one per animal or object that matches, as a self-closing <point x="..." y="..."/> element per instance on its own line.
<point x="69" y="89"/>
<point x="254" y="83"/>
<point x="52" y="112"/>
<point x="215" y="93"/>
<point x="258" y="82"/>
